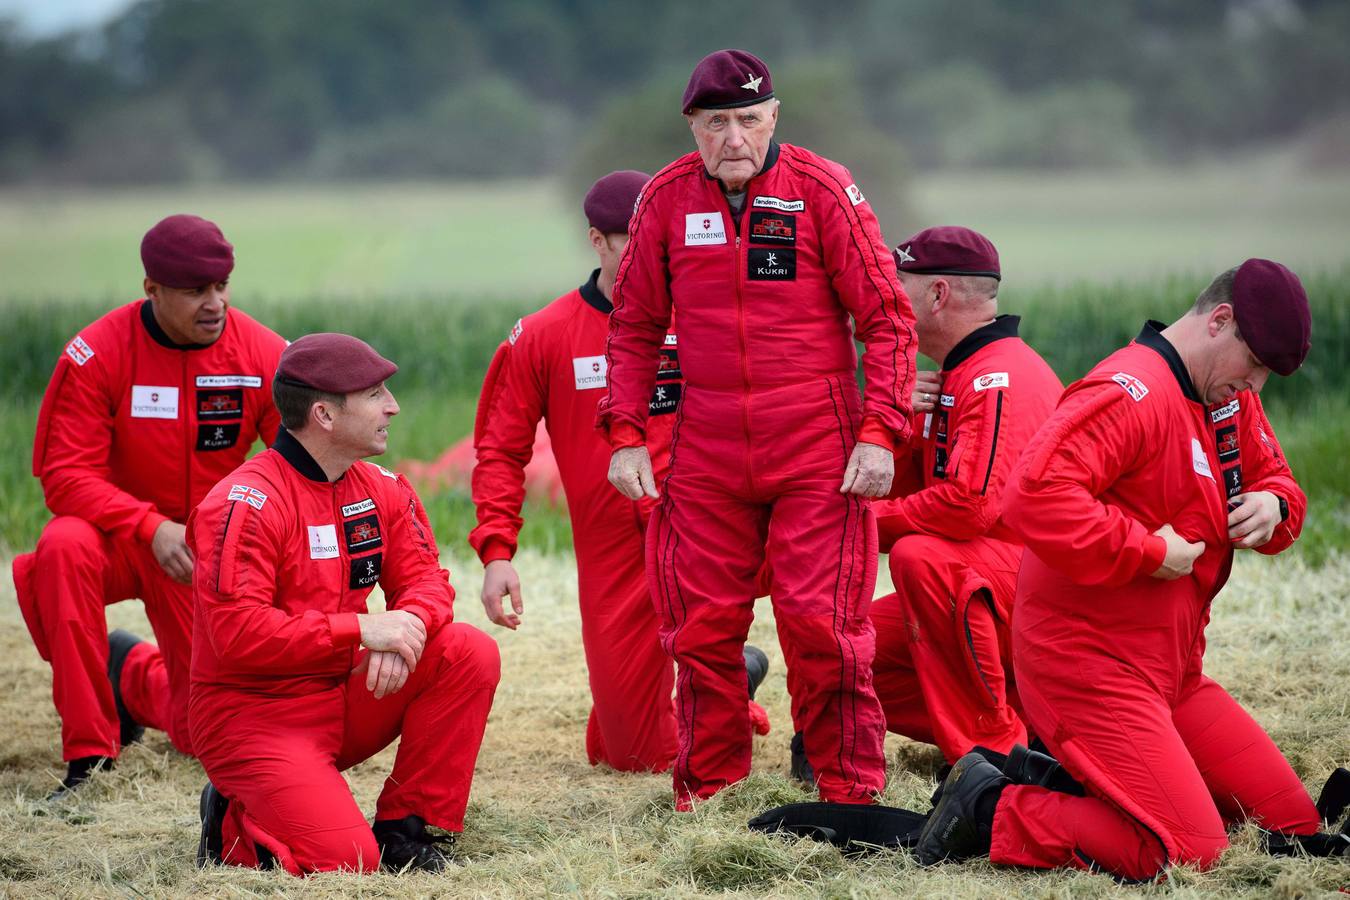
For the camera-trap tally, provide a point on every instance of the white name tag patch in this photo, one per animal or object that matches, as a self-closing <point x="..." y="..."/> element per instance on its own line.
<point x="854" y="195"/>
<point x="323" y="541"/>
<point x="590" y="372"/>
<point x="150" y="401"/>
<point x="701" y="229"/>
<point x="927" y="425"/>
<point x="79" y="351"/>
<point x="991" y="380"/>
<point x="252" y="496"/>
<point x="779" y="204"/>
<point x="1227" y="411"/>
<point x="1199" y="461"/>
<point x="353" y="509"/>
<point x="948" y="400"/>
<point x="224" y="381"/>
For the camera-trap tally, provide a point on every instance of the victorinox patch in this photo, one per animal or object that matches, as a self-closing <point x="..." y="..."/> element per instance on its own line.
<point x="702" y="229"/>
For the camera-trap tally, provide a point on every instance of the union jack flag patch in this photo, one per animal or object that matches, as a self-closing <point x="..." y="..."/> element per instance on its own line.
<point x="252" y="496"/>
<point x="1133" y="386"/>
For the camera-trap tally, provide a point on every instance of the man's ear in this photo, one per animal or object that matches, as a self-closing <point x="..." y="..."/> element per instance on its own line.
<point x="1220" y="317"/>
<point x="597" y="239"/>
<point x="151" y="288"/>
<point x="321" y="415"/>
<point x="942" y="292"/>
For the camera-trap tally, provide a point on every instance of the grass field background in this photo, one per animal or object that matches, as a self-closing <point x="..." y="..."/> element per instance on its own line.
<point x="434" y="275"/>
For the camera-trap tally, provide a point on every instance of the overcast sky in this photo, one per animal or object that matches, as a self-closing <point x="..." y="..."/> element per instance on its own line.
<point x="40" y="18"/>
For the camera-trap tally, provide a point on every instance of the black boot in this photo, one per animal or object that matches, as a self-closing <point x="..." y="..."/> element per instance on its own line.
<point x="801" y="766"/>
<point x="406" y="844"/>
<point x="962" y="823"/>
<point x="756" y="667"/>
<point x="78" y="771"/>
<point x="1041" y="769"/>
<point x="993" y="757"/>
<point x="119" y="645"/>
<point x="211" y="846"/>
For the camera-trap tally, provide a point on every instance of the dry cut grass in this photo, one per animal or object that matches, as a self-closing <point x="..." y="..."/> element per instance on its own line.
<point x="544" y="822"/>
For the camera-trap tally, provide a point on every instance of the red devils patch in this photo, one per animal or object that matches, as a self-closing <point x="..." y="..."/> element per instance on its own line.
<point x="220" y="404"/>
<point x="362" y="534"/>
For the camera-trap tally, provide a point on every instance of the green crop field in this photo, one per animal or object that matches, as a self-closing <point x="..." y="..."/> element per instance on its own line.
<point x="434" y="276"/>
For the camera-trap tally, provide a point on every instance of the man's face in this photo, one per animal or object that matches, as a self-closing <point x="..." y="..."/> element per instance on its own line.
<point x="361" y="426"/>
<point x="190" y="315"/>
<point x="734" y="142"/>
<point x="1232" y="365"/>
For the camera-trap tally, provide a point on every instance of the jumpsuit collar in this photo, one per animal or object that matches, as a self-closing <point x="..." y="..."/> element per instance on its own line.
<point x="770" y="159"/>
<point x="158" y="334"/>
<point x="1151" y="337"/>
<point x="295" y="453"/>
<point x="590" y="292"/>
<point x="1002" y="327"/>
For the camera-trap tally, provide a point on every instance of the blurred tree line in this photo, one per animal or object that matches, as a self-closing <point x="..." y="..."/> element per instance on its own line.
<point x="183" y="90"/>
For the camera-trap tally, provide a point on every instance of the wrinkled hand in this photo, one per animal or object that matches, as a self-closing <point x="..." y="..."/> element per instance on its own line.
<point x="169" y="545"/>
<point x="1181" y="554"/>
<point x="396" y="631"/>
<point x="630" y="470"/>
<point x="386" y="672"/>
<point x="927" y="390"/>
<point x="1254" y="520"/>
<point x="870" y="470"/>
<point x="500" y="580"/>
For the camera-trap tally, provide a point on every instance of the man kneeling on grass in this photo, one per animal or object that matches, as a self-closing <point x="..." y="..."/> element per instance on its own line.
<point x="293" y="681"/>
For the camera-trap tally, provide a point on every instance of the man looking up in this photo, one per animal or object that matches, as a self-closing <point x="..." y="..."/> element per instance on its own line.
<point x="292" y="679"/>
<point x="762" y="253"/>
<point x="149" y="406"/>
<point x="552" y="366"/>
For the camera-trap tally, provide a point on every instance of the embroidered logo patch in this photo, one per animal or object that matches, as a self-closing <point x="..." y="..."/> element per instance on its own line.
<point x="773" y="228"/>
<point x="779" y="204"/>
<point x="362" y="534"/>
<point x="217" y="437"/>
<point x="1133" y="386"/>
<point x="590" y="372"/>
<point x="79" y="351"/>
<point x="772" y="265"/>
<point x="948" y="400"/>
<point x="516" y="331"/>
<point x="150" y="401"/>
<point x="855" y="196"/>
<point x="701" y="229"/>
<point x="220" y="404"/>
<point x="1227" y="411"/>
<point x="991" y="380"/>
<point x="252" y="496"/>
<point x="323" y="541"/>
<point x="364" y="572"/>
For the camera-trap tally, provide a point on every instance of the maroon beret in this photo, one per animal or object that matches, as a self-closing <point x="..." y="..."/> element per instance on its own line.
<point x="610" y="201"/>
<point x="1272" y="313"/>
<point x="186" y="252"/>
<point x="948" y="250"/>
<point x="333" y="363"/>
<point x="727" y="79"/>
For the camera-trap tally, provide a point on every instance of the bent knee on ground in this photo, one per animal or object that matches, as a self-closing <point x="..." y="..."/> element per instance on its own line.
<point x="67" y="539"/>
<point x="467" y="651"/>
<point x="351" y="848"/>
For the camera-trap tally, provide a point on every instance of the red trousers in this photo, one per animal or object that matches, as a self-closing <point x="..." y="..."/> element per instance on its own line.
<point x="63" y="587"/>
<point x="632" y="722"/>
<point x="943" y="668"/>
<point x="1163" y="778"/>
<point x="749" y="470"/>
<point x="279" y="759"/>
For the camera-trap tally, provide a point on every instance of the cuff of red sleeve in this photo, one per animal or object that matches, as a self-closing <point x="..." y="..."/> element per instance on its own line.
<point x="623" y="434"/>
<point x="873" y="432"/>
<point x="145" y="531"/>
<point x="345" y="628"/>
<point x="1155" y="551"/>
<point x="494" y="549"/>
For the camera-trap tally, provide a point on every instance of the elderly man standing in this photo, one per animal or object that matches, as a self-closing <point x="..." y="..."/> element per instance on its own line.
<point x="763" y="252"/>
<point x="943" y="661"/>
<point x="1131" y="501"/>
<point x="149" y="406"/>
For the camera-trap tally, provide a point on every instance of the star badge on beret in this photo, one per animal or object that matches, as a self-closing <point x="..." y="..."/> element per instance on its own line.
<point x="903" y="255"/>
<point x="752" y="84"/>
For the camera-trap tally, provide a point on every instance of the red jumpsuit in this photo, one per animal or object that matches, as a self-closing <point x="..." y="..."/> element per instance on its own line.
<point x="553" y="366"/>
<point x="133" y="430"/>
<point x="770" y="415"/>
<point x="285" y="562"/>
<point x="1109" y="660"/>
<point x="943" y="667"/>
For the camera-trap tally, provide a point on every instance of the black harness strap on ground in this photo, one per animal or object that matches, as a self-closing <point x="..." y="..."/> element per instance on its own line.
<point x="854" y="828"/>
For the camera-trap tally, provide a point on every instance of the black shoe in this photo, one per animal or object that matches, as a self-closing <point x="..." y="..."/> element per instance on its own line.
<point x="211" y="846"/>
<point x="756" y="667"/>
<point x="993" y="757"/>
<point x="119" y="645"/>
<point x="78" y="771"/>
<point x="801" y="766"/>
<point x="1025" y="766"/>
<point x="406" y="844"/>
<point x="961" y="825"/>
